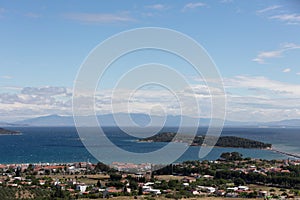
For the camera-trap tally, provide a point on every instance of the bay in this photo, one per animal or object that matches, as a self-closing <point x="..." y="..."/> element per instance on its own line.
<point x="63" y="144"/>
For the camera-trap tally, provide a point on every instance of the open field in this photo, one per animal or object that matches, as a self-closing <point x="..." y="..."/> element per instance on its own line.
<point x="169" y="177"/>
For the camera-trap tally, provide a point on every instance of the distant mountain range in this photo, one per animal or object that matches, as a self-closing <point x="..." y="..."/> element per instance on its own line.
<point x="142" y="120"/>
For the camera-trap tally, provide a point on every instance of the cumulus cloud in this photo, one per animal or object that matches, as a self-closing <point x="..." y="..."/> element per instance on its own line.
<point x="32" y="101"/>
<point x="250" y="98"/>
<point x="286" y="70"/>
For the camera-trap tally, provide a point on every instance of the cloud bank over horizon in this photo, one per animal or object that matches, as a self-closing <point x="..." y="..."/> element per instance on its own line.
<point x="249" y="98"/>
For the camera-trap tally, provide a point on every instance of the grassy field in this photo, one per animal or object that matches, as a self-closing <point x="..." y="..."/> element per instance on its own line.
<point x="168" y="177"/>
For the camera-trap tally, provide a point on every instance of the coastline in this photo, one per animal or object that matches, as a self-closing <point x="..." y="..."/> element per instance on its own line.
<point x="286" y="153"/>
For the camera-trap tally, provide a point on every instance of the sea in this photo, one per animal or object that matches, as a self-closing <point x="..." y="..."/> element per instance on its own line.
<point x="63" y="145"/>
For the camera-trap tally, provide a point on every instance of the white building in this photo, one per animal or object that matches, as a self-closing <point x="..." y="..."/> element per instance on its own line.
<point x="81" y="187"/>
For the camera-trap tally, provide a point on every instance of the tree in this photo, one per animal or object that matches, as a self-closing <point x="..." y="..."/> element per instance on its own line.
<point x="115" y="177"/>
<point x="239" y="181"/>
<point x="18" y="171"/>
<point x="231" y="156"/>
<point x="102" y="167"/>
<point x="98" y="184"/>
<point x="140" y="191"/>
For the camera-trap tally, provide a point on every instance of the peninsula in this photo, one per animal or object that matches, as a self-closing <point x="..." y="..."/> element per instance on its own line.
<point x="8" y="132"/>
<point x="223" y="141"/>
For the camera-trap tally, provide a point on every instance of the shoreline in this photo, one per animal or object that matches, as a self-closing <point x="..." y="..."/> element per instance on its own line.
<point x="286" y="153"/>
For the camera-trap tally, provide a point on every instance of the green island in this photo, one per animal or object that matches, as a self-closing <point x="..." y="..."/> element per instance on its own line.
<point x="8" y="132"/>
<point x="223" y="141"/>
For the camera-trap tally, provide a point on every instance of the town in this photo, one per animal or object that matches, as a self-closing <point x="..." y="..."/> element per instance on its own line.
<point x="231" y="176"/>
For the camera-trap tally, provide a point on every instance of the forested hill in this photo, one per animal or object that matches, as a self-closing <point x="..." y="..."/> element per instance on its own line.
<point x="223" y="141"/>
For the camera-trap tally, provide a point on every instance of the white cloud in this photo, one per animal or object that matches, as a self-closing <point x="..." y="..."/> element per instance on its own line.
<point x="262" y="56"/>
<point x="288" y="18"/>
<point x="99" y="17"/>
<point x="158" y="7"/>
<point x="275" y="13"/>
<point x="286" y="70"/>
<point x="298" y="73"/>
<point x="260" y="83"/>
<point x="250" y="98"/>
<point x="261" y="99"/>
<point x="194" y="5"/>
<point x="267" y="9"/>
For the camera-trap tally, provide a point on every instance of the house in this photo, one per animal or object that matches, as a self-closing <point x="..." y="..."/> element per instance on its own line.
<point x="285" y="171"/>
<point x="188" y="179"/>
<point x="211" y="189"/>
<point x="148" y="184"/>
<point x="148" y="189"/>
<point x="243" y="188"/>
<point x="263" y="193"/>
<point x="154" y="191"/>
<point x="207" y="189"/>
<point x="232" y="189"/>
<point x="81" y="187"/>
<point x="195" y="192"/>
<point x="221" y="192"/>
<point x="113" y="190"/>
<point x="208" y="176"/>
<point x="42" y="182"/>
<point x="232" y="195"/>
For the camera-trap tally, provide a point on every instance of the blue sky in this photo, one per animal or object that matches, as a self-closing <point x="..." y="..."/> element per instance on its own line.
<point x="255" y="45"/>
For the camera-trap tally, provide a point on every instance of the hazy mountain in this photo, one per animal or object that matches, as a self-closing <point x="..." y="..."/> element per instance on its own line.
<point x="284" y="123"/>
<point x="144" y="120"/>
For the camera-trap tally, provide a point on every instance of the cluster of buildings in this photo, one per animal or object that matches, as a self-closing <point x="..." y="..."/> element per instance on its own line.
<point x="14" y="175"/>
<point x="130" y="167"/>
<point x="277" y="167"/>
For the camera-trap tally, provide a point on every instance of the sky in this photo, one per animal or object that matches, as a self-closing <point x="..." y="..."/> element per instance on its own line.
<point x="254" y="44"/>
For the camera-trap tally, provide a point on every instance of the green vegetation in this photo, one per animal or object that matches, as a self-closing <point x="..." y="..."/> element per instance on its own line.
<point x="223" y="141"/>
<point x="24" y="193"/>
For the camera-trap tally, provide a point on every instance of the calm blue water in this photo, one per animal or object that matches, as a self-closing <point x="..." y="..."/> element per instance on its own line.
<point x="62" y="144"/>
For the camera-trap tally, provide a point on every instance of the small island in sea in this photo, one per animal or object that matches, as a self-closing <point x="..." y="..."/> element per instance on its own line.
<point x="223" y="141"/>
<point x="9" y="132"/>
